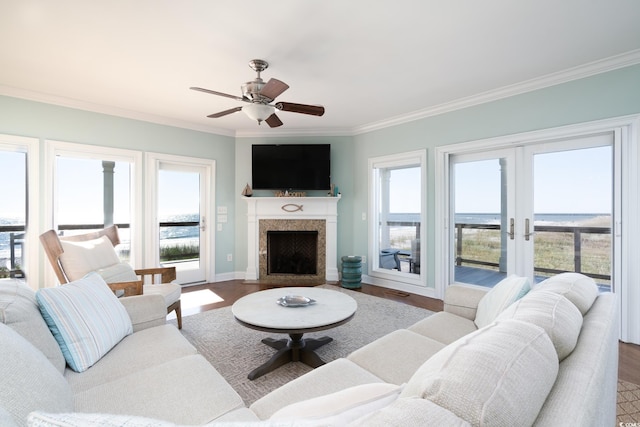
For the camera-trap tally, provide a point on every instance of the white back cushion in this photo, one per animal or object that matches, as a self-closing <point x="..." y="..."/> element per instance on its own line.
<point x="80" y="258"/>
<point x="553" y="313"/>
<point x="498" y="375"/>
<point x="505" y="293"/>
<point x="581" y="290"/>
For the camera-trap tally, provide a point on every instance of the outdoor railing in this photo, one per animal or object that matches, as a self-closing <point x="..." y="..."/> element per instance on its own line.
<point x="16" y="234"/>
<point x="576" y="231"/>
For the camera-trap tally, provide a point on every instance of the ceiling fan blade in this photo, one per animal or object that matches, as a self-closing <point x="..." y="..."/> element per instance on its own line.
<point x="213" y="92"/>
<point x="225" y="112"/>
<point x="314" y="110"/>
<point x="273" y="88"/>
<point x="273" y="121"/>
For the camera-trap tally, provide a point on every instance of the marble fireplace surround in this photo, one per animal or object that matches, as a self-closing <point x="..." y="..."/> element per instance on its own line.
<point x="292" y="214"/>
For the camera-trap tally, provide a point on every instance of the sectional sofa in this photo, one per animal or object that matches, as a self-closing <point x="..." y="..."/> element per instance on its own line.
<point x="508" y="356"/>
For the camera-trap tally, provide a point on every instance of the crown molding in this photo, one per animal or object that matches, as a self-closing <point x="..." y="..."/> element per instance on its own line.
<point x="575" y="73"/>
<point x="587" y="70"/>
<point x="108" y="110"/>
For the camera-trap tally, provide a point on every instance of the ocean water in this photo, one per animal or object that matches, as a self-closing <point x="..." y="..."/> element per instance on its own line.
<point x="559" y="218"/>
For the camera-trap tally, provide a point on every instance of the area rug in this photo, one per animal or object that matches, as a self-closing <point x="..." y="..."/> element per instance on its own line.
<point x="235" y="350"/>
<point x="628" y="410"/>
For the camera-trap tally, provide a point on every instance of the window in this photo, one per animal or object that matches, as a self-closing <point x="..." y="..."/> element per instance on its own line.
<point x="92" y="187"/>
<point x="19" y="175"/>
<point x="397" y="215"/>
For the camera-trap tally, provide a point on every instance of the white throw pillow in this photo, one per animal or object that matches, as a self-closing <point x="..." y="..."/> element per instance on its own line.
<point x="552" y="312"/>
<point x="341" y="407"/>
<point x="581" y="290"/>
<point x="86" y="319"/>
<point x="505" y="293"/>
<point x="80" y="258"/>
<point x="499" y="375"/>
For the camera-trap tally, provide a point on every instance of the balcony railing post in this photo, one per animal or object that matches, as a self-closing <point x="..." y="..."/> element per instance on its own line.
<point x="459" y="244"/>
<point x="577" y="250"/>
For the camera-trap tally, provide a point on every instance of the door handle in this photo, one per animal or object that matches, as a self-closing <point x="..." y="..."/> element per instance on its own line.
<point x="511" y="233"/>
<point x="203" y="224"/>
<point x="527" y="233"/>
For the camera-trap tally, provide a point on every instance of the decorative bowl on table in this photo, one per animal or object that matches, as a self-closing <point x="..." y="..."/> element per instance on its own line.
<point x="295" y="301"/>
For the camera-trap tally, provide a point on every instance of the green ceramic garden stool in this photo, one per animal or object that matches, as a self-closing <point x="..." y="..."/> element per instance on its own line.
<point x="351" y="272"/>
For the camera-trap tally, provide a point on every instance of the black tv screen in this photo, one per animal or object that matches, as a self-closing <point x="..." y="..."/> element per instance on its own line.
<point x="291" y="167"/>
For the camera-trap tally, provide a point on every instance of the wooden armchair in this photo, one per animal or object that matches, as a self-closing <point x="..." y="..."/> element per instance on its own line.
<point x="118" y="275"/>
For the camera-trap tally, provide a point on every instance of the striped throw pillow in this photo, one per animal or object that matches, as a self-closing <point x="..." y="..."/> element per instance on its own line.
<point x="86" y="319"/>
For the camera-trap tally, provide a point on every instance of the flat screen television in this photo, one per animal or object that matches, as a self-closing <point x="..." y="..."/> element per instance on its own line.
<point x="291" y="166"/>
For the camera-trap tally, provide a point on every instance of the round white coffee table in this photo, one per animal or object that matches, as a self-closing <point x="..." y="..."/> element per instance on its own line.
<point x="261" y="311"/>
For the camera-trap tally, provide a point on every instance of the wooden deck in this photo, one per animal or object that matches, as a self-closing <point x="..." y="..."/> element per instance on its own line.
<point x="490" y="278"/>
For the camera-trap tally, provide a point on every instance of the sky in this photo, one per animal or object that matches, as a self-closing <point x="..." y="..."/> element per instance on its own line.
<point x="80" y="196"/>
<point x="578" y="181"/>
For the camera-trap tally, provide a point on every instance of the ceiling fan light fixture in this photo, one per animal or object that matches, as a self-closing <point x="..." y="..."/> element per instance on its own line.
<point x="259" y="112"/>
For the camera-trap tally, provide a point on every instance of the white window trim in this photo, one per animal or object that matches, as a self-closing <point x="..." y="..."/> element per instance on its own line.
<point x="626" y="220"/>
<point x="84" y="151"/>
<point x="415" y="283"/>
<point x="31" y="147"/>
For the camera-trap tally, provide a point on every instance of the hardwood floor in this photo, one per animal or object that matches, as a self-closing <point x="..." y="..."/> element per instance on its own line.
<point x="222" y="294"/>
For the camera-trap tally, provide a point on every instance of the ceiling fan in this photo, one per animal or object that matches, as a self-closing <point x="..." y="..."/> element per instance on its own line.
<point x="259" y="95"/>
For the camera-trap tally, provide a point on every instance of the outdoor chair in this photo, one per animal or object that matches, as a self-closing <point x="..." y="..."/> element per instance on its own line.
<point x="72" y="257"/>
<point x="389" y="259"/>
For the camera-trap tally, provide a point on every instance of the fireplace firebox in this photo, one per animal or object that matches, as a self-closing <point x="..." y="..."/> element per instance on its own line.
<point x="292" y="252"/>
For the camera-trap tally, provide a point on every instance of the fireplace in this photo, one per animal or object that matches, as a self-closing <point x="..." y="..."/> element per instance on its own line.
<point x="302" y="231"/>
<point x="292" y="252"/>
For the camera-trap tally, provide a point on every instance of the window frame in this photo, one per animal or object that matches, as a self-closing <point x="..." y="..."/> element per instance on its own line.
<point x="53" y="149"/>
<point x="390" y="278"/>
<point x="30" y="146"/>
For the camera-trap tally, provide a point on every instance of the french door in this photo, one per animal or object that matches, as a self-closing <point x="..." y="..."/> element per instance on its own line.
<point x="182" y="200"/>
<point x="535" y="210"/>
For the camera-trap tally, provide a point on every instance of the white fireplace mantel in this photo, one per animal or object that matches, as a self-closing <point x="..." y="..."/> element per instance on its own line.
<point x="293" y="208"/>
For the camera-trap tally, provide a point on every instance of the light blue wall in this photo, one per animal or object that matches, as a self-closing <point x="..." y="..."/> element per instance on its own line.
<point x="49" y="122"/>
<point x="612" y="94"/>
<point x="607" y="95"/>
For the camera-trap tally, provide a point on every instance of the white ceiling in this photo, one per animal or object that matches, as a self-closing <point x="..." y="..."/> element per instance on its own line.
<point x="369" y="63"/>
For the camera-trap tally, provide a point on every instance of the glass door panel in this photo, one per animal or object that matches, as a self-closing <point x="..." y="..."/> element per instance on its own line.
<point x="482" y="221"/>
<point x="181" y="223"/>
<point x="399" y="213"/>
<point x="13" y="213"/>
<point x="573" y="200"/>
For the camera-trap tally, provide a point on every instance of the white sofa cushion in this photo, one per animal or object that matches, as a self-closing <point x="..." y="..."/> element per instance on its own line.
<point x="120" y="272"/>
<point x="330" y="378"/>
<point x="86" y="319"/>
<point x="554" y="313"/>
<point x="81" y="419"/>
<point x="80" y="258"/>
<point x="410" y="412"/>
<point x="498" y="375"/>
<point x="171" y="292"/>
<point x="444" y="327"/>
<point x="29" y="380"/>
<point x="341" y="407"/>
<point x="581" y="290"/>
<point x="396" y="356"/>
<point x="505" y="293"/>
<point x="19" y="310"/>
